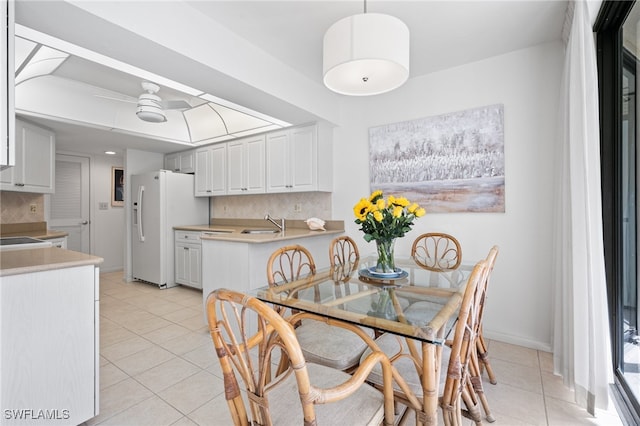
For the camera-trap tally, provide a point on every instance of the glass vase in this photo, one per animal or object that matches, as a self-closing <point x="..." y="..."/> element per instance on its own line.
<point x="386" y="263"/>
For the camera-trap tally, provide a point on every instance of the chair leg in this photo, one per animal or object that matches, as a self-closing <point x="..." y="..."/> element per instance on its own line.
<point x="483" y="357"/>
<point x="477" y="388"/>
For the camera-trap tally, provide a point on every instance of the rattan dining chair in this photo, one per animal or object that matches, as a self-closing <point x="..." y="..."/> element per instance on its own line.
<point x="437" y="251"/>
<point x="304" y="393"/>
<point x="455" y="380"/>
<point x="344" y="257"/>
<point x="321" y="343"/>
<point x="483" y="353"/>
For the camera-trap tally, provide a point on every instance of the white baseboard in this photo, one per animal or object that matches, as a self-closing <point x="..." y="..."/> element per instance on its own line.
<point x="518" y="340"/>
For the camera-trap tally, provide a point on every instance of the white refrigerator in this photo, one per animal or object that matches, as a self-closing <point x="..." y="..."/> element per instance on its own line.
<point x="160" y="201"/>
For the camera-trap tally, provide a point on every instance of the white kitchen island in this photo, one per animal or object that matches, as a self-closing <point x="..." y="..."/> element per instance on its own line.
<point x="239" y="261"/>
<point x="49" y="341"/>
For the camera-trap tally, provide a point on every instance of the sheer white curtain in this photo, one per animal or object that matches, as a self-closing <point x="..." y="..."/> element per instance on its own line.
<point x="581" y="325"/>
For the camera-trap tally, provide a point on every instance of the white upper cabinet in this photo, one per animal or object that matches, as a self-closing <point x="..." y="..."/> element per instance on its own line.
<point x="180" y="162"/>
<point x="210" y="170"/>
<point x="298" y="160"/>
<point x="7" y="83"/>
<point x="35" y="161"/>
<point x="246" y="165"/>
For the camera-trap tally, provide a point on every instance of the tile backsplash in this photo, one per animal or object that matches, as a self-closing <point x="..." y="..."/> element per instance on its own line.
<point x="15" y="207"/>
<point x="309" y="204"/>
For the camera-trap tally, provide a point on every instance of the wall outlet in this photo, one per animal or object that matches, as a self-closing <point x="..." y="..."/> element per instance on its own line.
<point x="297" y="207"/>
<point x="33" y="208"/>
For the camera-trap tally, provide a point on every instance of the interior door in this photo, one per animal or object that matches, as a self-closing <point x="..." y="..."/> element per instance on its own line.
<point x="70" y="202"/>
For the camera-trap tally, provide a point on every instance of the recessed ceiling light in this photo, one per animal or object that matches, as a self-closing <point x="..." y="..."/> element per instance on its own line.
<point x="110" y="152"/>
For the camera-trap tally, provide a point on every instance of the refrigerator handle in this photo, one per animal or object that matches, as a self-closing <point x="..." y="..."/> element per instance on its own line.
<point x="139" y="213"/>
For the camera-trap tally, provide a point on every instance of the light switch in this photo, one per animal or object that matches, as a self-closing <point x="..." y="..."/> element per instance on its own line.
<point x="102" y="205"/>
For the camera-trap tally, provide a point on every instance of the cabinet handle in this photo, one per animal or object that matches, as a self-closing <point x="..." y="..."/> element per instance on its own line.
<point x="19" y="184"/>
<point x="186" y="248"/>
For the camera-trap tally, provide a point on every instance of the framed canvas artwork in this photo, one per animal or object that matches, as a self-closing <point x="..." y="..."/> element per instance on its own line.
<point x="448" y="163"/>
<point x="117" y="187"/>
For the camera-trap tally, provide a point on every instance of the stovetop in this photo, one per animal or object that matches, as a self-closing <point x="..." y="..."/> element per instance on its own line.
<point x="9" y="241"/>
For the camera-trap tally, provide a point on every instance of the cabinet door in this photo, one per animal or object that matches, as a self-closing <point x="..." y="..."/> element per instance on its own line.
<point x="187" y="162"/>
<point x="203" y="173"/>
<point x="236" y="168"/>
<point x="302" y="159"/>
<point x="194" y="266"/>
<point x="218" y="168"/>
<point x="255" y="165"/>
<point x="172" y="162"/>
<point x="34" y="169"/>
<point x="277" y="152"/>
<point x="182" y="260"/>
<point x="7" y="84"/>
<point x="38" y="160"/>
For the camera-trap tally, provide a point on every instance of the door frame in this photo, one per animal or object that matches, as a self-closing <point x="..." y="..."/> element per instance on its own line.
<point x="609" y="51"/>
<point x="90" y="195"/>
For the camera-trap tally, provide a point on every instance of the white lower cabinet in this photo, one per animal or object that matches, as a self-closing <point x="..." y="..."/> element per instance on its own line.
<point x="188" y="258"/>
<point x="59" y="242"/>
<point x="49" y="350"/>
<point x="242" y="266"/>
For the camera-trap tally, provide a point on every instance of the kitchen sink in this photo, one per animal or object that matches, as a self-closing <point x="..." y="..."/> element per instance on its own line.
<point x="260" y="231"/>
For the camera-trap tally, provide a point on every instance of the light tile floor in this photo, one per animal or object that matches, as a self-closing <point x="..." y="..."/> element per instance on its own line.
<point x="158" y="367"/>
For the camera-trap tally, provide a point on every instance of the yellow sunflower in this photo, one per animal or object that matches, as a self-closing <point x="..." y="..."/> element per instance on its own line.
<point x="362" y="208"/>
<point x="375" y="195"/>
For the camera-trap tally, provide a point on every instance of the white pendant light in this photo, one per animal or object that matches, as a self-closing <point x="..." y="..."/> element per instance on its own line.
<point x="366" y="54"/>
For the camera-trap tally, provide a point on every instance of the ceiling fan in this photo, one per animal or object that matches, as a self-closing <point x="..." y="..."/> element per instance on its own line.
<point x="150" y="107"/>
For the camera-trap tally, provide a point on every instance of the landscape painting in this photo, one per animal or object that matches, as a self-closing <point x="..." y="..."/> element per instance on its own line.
<point x="448" y="163"/>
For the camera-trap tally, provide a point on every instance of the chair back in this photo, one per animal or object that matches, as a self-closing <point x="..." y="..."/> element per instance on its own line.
<point x="289" y="263"/>
<point x="248" y="357"/>
<point x="491" y="261"/>
<point x="344" y="257"/>
<point x="464" y="340"/>
<point x="437" y="251"/>
<point x="249" y="338"/>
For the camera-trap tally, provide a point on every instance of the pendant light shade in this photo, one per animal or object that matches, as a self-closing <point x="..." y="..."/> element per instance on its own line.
<point x="366" y="54"/>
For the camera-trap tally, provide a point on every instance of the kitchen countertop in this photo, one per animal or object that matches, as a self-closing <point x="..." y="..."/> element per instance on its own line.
<point x="31" y="229"/>
<point x="13" y="262"/>
<point x="41" y="235"/>
<point x="230" y="230"/>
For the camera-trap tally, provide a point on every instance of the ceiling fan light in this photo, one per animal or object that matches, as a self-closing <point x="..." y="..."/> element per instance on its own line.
<point x="151" y="114"/>
<point x="150" y="109"/>
<point x="366" y="54"/>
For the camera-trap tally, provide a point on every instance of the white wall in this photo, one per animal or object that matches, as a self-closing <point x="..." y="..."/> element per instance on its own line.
<point x="106" y="225"/>
<point x="527" y="83"/>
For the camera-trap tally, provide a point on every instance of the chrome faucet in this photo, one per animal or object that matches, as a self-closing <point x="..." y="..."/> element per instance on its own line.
<point x="279" y="225"/>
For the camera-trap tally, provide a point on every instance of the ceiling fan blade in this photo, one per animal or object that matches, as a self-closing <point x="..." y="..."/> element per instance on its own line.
<point x="175" y="104"/>
<point x="123" y="99"/>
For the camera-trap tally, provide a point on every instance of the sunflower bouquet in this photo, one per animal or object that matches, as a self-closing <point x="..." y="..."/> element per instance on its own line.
<point x="383" y="221"/>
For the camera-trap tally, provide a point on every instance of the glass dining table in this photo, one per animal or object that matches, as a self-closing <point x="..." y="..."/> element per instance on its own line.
<point x="415" y="303"/>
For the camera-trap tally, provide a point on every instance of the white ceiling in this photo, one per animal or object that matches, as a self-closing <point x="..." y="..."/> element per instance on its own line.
<point x="444" y="34"/>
